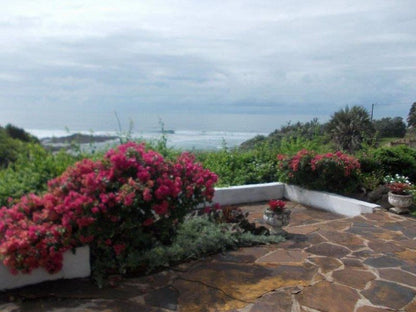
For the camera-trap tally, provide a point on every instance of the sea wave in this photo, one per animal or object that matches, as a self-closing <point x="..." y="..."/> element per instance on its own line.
<point x="183" y="139"/>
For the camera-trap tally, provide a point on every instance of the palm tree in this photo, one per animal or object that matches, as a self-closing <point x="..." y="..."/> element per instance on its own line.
<point x="350" y="127"/>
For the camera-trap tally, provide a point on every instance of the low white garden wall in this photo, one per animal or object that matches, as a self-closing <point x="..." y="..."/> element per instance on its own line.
<point x="74" y="266"/>
<point x="248" y="193"/>
<point x="262" y="192"/>
<point x="327" y="201"/>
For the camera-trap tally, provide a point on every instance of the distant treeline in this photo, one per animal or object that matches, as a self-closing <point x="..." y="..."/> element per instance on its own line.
<point x="347" y="129"/>
<point x="12" y="142"/>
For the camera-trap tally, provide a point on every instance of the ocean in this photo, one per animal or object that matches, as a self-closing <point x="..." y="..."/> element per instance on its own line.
<point x="181" y="139"/>
<point x="190" y="130"/>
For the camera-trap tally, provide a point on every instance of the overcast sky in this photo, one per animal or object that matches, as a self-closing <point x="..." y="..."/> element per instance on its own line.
<point x="264" y="57"/>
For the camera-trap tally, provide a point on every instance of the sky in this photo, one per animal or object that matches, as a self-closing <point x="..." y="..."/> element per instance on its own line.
<point x="245" y="65"/>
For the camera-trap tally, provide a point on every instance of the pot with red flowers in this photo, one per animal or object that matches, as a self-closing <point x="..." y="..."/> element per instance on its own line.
<point x="276" y="215"/>
<point x="399" y="196"/>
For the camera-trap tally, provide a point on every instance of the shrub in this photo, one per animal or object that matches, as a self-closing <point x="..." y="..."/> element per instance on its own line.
<point x="20" y="134"/>
<point x="199" y="236"/>
<point x="396" y="160"/>
<point x="31" y="171"/>
<point x="333" y="172"/>
<point x="237" y="167"/>
<point x="390" y="127"/>
<point x="9" y="149"/>
<point x="125" y="202"/>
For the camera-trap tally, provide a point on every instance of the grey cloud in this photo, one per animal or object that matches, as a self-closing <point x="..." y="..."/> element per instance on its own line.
<point x="232" y="57"/>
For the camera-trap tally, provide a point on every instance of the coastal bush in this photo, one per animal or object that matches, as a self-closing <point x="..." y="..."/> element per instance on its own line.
<point x="307" y="132"/>
<point x="20" y="134"/>
<point x="332" y="172"/>
<point x="127" y="201"/>
<point x="238" y="167"/>
<point x="9" y="149"/>
<point x="390" y="127"/>
<point x="396" y="160"/>
<point x="13" y="141"/>
<point x="32" y="169"/>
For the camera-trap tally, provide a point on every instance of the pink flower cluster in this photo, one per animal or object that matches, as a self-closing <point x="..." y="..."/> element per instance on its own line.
<point x="347" y="162"/>
<point x="310" y="158"/>
<point x="332" y="172"/>
<point x="106" y="203"/>
<point x="296" y="160"/>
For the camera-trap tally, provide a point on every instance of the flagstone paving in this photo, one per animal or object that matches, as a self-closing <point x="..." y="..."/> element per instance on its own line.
<point x="329" y="263"/>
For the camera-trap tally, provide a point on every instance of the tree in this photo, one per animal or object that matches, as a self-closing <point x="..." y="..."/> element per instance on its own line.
<point x="390" y="127"/>
<point x="411" y="118"/>
<point x="350" y="127"/>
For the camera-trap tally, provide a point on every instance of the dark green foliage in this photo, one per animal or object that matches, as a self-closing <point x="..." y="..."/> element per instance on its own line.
<point x="236" y="167"/>
<point x="411" y="118"/>
<point x="350" y="128"/>
<point x="251" y="143"/>
<point x="390" y="127"/>
<point x="33" y="167"/>
<point x="396" y="160"/>
<point x="9" y="149"/>
<point x="20" y="134"/>
<point x="306" y="131"/>
<point x="12" y="142"/>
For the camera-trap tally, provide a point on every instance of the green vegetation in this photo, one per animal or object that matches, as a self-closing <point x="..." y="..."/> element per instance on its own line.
<point x="390" y="127"/>
<point x="31" y="170"/>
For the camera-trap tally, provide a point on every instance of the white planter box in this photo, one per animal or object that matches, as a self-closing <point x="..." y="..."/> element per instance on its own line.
<point x="327" y="201"/>
<point x="262" y="192"/>
<point x="74" y="266"/>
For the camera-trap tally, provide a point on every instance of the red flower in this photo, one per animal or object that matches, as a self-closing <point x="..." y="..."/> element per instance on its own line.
<point x="277" y="206"/>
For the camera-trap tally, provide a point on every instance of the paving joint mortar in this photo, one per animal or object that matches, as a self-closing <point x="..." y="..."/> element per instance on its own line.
<point x="364" y="263"/>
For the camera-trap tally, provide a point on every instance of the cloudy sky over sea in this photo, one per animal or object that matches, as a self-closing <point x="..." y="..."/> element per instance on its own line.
<point x="210" y="65"/>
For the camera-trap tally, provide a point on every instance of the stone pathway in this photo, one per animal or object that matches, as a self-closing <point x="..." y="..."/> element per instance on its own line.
<point x="330" y="263"/>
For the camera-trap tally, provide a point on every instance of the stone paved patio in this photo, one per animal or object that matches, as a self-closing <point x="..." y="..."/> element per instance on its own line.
<point x="331" y="263"/>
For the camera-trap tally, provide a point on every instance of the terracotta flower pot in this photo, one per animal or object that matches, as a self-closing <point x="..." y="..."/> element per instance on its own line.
<point x="276" y="220"/>
<point x="400" y="203"/>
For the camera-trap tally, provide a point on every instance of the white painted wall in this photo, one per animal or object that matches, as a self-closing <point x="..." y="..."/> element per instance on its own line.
<point x="263" y="192"/>
<point x="74" y="266"/>
<point x="248" y="193"/>
<point x="327" y="201"/>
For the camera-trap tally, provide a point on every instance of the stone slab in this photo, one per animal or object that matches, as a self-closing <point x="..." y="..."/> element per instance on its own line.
<point x="283" y="256"/>
<point x="329" y="250"/>
<point x="389" y="294"/>
<point x="357" y="279"/>
<point x="324" y="295"/>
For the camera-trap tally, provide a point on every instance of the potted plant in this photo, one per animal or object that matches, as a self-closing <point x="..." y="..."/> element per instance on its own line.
<point x="399" y="196"/>
<point x="276" y="215"/>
